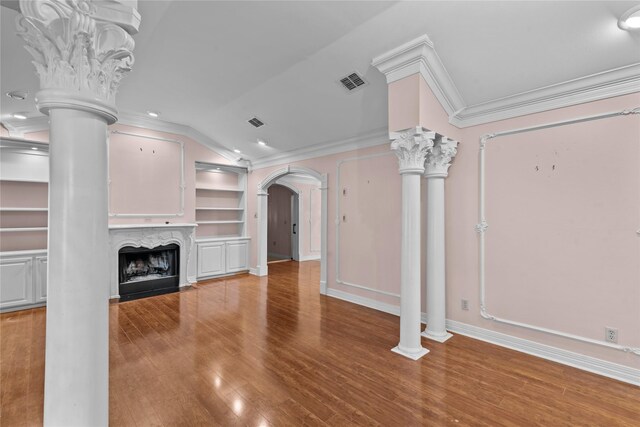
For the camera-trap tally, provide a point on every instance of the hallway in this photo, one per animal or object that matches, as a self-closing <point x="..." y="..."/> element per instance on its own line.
<point x="272" y="351"/>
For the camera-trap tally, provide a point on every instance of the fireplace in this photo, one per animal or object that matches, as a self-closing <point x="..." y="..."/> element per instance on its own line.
<point x="145" y="272"/>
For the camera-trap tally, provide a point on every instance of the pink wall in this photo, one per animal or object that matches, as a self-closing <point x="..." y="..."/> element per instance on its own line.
<point x="370" y="246"/>
<point x="125" y="187"/>
<point x="561" y="247"/>
<point x="279" y="221"/>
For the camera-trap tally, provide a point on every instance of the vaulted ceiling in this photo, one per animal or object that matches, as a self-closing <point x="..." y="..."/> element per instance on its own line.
<point x="214" y="65"/>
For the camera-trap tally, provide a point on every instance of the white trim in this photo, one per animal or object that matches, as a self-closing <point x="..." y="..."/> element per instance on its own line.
<point x="607" y="84"/>
<point x="309" y="257"/>
<point x="419" y="57"/>
<point x="586" y="363"/>
<point x="262" y="199"/>
<point x="253" y="271"/>
<point x="365" y="140"/>
<point x="365" y="302"/>
<point x="337" y="222"/>
<point x="181" y="185"/>
<point x="483" y="226"/>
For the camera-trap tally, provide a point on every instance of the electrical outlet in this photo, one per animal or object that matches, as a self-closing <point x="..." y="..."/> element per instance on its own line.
<point x="611" y="335"/>
<point x="464" y="304"/>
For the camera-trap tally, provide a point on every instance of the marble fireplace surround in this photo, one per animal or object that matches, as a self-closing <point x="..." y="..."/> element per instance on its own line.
<point x="150" y="236"/>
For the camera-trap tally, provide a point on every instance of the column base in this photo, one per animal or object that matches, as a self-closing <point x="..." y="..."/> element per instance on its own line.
<point x="439" y="338"/>
<point x="414" y="355"/>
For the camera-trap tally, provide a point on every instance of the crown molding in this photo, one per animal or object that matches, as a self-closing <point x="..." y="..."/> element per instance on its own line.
<point x="365" y="140"/>
<point x="18" y="128"/>
<point x="419" y="56"/>
<point x="606" y="84"/>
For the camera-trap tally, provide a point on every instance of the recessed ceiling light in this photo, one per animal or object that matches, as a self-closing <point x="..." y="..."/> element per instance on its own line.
<point x="261" y="142"/>
<point x="20" y="95"/>
<point x="21" y="116"/>
<point x="34" y="148"/>
<point x="630" y="20"/>
<point x="235" y="150"/>
<point x="153" y="114"/>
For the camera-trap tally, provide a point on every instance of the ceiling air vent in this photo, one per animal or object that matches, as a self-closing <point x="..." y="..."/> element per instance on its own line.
<point x="352" y="81"/>
<point x="256" y="122"/>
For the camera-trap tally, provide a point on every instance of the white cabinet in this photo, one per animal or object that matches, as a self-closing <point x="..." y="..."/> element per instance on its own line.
<point x="217" y="257"/>
<point x="211" y="259"/>
<point x="237" y="256"/>
<point x="23" y="279"/>
<point x="40" y="267"/>
<point x="16" y="284"/>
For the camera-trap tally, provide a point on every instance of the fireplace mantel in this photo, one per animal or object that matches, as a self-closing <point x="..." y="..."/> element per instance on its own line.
<point x="149" y="236"/>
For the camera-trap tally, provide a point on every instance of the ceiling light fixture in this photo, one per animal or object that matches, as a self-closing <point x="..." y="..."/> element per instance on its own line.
<point x="630" y="20"/>
<point x="34" y="148"/>
<point x="235" y="150"/>
<point x="261" y="142"/>
<point x="153" y="114"/>
<point x="20" y="116"/>
<point x="19" y="95"/>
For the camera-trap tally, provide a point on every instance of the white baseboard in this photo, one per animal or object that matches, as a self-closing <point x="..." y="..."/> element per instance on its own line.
<point x="253" y="271"/>
<point x="367" y="302"/>
<point x="310" y="258"/>
<point x="576" y="360"/>
<point x="586" y="363"/>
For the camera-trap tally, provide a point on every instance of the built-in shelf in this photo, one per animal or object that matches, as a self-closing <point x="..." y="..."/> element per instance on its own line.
<point x="219" y="222"/>
<point x="23" y="209"/>
<point x="11" y="230"/>
<point x="202" y="208"/>
<point x="231" y="190"/>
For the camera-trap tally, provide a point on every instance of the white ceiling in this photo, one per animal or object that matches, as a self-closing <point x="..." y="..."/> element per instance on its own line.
<point x="214" y="65"/>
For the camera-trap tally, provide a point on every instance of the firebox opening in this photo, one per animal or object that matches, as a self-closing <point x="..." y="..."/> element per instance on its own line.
<point x="146" y="272"/>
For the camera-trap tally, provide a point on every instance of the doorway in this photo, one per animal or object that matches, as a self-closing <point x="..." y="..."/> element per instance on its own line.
<point x="282" y="228"/>
<point x="263" y="207"/>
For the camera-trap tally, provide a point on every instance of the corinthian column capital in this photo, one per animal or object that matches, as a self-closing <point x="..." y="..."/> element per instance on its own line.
<point x="440" y="157"/>
<point x="412" y="147"/>
<point x="81" y="50"/>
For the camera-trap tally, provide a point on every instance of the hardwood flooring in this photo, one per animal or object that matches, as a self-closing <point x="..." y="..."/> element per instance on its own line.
<point x="257" y="352"/>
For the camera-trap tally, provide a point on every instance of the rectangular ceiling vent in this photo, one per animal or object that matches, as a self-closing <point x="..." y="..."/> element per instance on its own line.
<point x="256" y="122"/>
<point x="352" y="81"/>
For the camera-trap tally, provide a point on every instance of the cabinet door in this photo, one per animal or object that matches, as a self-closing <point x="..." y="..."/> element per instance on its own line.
<point x="41" y="279"/>
<point x="237" y="256"/>
<point x="16" y="284"/>
<point x="211" y="259"/>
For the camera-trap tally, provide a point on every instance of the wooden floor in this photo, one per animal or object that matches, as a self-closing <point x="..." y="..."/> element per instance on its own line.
<point x="244" y="351"/>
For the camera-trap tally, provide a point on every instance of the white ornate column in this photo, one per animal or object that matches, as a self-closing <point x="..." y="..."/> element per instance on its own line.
<point x="81" y="50"/>
<point x="411" y="147"/>
<point x="436" y="170"/>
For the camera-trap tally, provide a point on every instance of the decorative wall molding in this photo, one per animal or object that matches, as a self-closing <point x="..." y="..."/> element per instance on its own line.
<point x="80" y="52"/>
<point x="482" y="229"/>
<point x="262" y="196"/>
<point x="439" y="159"/>
<point x="607" y="84"/>
<point x="419" y="56"/>
<point x="150" y="236"/>
<point x="182" y="182"/>
<point x="554" y="354"/>
<point x="338" y="222"/>
<point x="365" y="140"/>
<point x="412" y="146"/>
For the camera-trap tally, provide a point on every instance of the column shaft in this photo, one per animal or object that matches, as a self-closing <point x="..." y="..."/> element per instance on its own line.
<point x="77" y="341"/>
<point x="263" y="213"/>
<point x="410" y="345"/>
<point x="436" y="303"/>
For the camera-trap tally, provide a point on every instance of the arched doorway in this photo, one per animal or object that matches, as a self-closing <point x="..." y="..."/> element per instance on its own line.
<point x="262" y="269"/>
